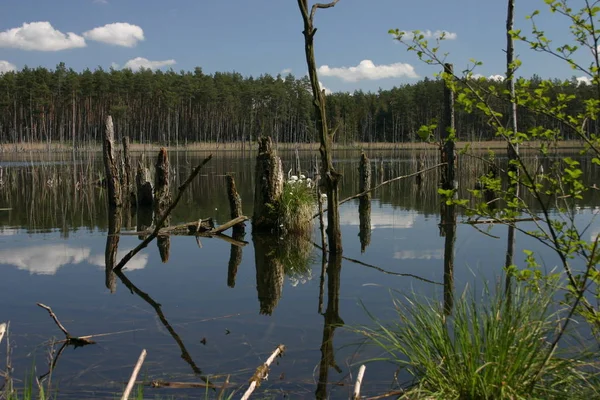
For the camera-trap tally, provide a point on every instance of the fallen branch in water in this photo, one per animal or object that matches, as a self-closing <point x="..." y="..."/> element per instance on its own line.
<point x="182" y="385"/>
<point x="164" y="217"/>
<point x="383" y="184"/>
<point x="200" y="228"/>
<point x="76" y="341"/>
<point x="499" y="221"/>
<point x="2" y="330"/>
<point x="262" y="372"/>
<point x="134" y="374"/>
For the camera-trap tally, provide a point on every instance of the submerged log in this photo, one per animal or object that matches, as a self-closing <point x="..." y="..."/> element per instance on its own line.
<point x="111" y="170"/>
<point x="268" y="187"/>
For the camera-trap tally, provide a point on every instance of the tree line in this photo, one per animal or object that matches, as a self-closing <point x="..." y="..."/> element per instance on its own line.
<point x="66" y="106"/>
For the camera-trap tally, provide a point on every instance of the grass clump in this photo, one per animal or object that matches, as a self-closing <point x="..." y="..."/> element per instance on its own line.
<point x="494" y="347"/>
<point x="297" y="205"/>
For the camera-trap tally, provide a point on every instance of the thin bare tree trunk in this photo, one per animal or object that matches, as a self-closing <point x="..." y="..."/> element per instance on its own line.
<point x="328" y="174"/>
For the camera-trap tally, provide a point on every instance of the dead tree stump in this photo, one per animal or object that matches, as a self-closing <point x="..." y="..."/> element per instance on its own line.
<point x="113" y="185"/>
<point x="235" y="204"/>
<point x="126" y="175"/>
<point x="144" y="190"/>
<point x="162" y="200"/>
<point x="364" y="170"/>
<point x="162" y="192"/>
<point x="268" y="187"/>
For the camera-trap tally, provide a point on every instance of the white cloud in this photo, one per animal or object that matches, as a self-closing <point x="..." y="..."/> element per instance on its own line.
<point x="409" y="35"/>
<point x="380" y="218"/>
<point x="40" y="36"/>
<point x="5" y="66"/>
<point x="43" y="260"/>
<point x="119" y="34"/>
<point x="367" y="70"/>
<point x="326" y="89"/>
<point x="47" y="259"/>
<point x="101" y="1"/>
<point x="141" y="62"/>
<point x="583" y="80"/>
<point x="286" y="71"/>
<point x="497" y="78"/>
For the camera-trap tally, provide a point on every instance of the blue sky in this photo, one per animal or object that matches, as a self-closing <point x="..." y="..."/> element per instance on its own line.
<point x="254" y="37"/>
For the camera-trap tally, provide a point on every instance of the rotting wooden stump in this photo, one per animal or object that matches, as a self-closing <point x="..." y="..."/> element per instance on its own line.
<point x="268" y="187"/>
<point x="113" y="184"/>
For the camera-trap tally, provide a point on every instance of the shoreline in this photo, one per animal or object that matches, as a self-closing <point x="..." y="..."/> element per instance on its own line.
<point x="251" y="146"/>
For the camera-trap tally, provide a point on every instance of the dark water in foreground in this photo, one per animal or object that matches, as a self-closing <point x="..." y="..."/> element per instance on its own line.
<point x="205" y="311"/>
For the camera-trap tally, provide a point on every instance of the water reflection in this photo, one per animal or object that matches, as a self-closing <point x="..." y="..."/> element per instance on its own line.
<point x="332" y="321"/>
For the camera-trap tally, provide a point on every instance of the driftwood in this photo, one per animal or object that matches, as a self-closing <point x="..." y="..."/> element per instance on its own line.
<point x="76" y="341"/>
<point x="134" y="374"/>
<point x="262" y="372"/>
<point x="154" y="233"/>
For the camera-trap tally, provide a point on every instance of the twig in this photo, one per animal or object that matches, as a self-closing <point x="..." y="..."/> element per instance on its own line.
<point x="62" y="328"/>
<point x="77" y="341"/>
<point x="383" y="184"/>
<point x="134" y="375"/>
<point x="359" y="378"/>
<point x="262" y="371"/>
<point x="162" y="220"/>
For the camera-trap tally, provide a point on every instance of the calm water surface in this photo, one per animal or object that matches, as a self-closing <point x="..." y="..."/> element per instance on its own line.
<point x="206" y="311"/>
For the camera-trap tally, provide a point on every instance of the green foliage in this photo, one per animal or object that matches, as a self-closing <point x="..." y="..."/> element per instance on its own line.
<point x="548" y="111"/>
<point x="491" y="347"/>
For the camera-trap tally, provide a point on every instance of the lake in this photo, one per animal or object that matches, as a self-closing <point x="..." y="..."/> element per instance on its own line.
<point x="214" y="308"/>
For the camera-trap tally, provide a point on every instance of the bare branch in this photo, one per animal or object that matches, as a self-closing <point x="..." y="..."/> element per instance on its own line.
<point x="321" y="5"/>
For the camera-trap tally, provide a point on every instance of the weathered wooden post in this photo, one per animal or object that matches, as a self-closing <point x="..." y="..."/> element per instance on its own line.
<point x="113" y="185"/>
<point x="364" y="170"/>
<point x="268" y="187"/>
